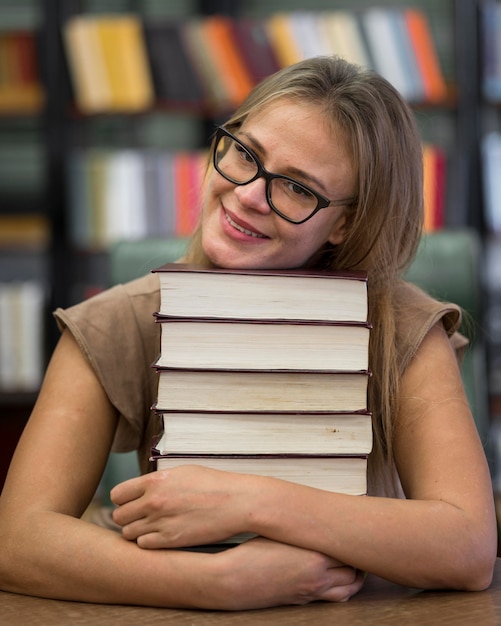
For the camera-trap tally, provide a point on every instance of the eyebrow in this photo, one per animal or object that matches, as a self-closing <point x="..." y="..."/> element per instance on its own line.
<point x="256" y="146"/>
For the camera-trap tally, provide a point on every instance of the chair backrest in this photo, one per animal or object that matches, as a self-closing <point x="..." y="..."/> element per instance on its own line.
<point x="447" y="266"/>
<point x="135" y="258"/>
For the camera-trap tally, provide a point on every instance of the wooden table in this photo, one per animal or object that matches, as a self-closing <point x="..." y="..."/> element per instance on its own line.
<point x="379" y="602"/>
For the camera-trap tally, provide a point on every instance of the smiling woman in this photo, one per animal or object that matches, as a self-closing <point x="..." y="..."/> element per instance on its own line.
<point x="321" y="167"/>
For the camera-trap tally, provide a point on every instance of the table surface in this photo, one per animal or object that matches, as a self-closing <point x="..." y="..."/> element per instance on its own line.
<point x="379" y="602"/>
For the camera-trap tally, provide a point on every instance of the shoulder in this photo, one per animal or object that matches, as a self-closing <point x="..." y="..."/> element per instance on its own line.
<point x="133" y="299"/>
<point x="121" y="317"/>
<point x="416" y="313"/>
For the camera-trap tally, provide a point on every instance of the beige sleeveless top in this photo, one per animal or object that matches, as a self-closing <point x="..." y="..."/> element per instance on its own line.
<point x="117" y="333"/>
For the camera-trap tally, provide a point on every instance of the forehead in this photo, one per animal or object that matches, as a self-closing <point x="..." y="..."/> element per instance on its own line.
<point x="300" y="134"/>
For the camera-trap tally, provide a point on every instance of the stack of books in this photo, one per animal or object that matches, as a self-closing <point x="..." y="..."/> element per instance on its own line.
<point x="265" y="372"/>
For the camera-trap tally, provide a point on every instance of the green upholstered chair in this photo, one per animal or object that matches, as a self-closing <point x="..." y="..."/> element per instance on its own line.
<point x="447" y="266"/>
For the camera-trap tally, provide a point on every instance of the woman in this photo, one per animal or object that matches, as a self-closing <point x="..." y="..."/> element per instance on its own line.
<point x="345" y="193"/>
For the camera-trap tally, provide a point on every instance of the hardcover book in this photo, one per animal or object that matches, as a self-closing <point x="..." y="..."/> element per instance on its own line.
<point x="340" y="474"/>
<point x="190" y="291"/>
<point x="254" y="345"/>
<point x="266" y="432"/>
<point x="261" y="390"/>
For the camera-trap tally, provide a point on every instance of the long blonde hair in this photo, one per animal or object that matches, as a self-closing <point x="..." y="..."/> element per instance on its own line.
<point x="384" y="223"/>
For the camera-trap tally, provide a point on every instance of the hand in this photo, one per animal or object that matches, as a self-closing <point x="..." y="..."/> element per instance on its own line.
<point x="185" y="506"/>
<point x="262" y="573"/>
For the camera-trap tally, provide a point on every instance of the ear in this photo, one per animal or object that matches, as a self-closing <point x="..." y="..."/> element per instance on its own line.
<point x="338" y="231"/>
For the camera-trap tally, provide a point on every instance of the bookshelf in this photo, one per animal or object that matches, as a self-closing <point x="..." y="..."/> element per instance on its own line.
<point x="57" y="127"/>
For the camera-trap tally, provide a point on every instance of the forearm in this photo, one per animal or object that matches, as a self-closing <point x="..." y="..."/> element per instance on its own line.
<point x="424" y="544"/>
<point x="57" y="556"/>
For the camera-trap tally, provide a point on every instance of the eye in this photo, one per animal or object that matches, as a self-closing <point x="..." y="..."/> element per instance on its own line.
<point x="243" y="153"/>
<point x="299" y="190"/>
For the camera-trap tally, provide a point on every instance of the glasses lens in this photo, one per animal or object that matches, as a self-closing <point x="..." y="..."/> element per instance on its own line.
<point x="292" y="199"/>
<point x="233" y="160"/>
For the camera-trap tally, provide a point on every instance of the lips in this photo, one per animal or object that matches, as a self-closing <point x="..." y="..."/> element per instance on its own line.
<point x="241" y="228"/>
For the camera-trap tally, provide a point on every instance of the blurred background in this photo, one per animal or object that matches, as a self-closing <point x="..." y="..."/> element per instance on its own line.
<point x="107" y="108"/>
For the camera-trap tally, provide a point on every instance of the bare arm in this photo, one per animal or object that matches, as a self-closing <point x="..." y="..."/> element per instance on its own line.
<point x="443" y="535"/>
<point x="48" y="550"/>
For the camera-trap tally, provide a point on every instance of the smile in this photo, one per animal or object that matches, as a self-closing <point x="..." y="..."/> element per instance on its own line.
<point x="241" y="229"/>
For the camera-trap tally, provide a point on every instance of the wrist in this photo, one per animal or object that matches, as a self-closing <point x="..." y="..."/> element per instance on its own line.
<point x="260" y="495"/>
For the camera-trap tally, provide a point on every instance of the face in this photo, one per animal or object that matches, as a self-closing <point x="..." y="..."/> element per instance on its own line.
<point x="239" y="228"/>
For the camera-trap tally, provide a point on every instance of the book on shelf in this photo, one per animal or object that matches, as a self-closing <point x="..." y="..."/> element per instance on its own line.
<point x="250" y="36"/>
<point x="252" y="344"/>
<point x="108" y="63"/>
<point x="281" y="36"/>
<point x="305" y="31"/>
<point x="232" y="390"/>
<point x="421" y="40"/>
<point x="231" y="66"/>
<point x="491" y="164"/>
<point x="189" y="168"/>
<point x="190" y="291"/>
<point x="22" y="313"/>
<point x="434" y="187"/>
<point x="380" y="30"/>
<point x="342" y="35"/>
<point x="27" y="231"/>
<point x="201" y="56"/>
<point x="265" y="432"/>
<point x="174" y="77"/>
<point x="21" y="89"/>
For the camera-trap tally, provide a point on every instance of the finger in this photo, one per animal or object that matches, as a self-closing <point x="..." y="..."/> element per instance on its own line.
<point x="128" y="513"/>
<point x="342" y="593"/>
<point x="127" y="491"/>
<point x="151" y="541"/>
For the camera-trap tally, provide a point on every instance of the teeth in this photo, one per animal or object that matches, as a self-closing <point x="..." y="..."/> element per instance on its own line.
<point x="243" y="230"/>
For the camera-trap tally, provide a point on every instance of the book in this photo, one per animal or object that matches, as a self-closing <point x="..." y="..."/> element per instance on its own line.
<point x="251" y="38"/>
<point x="305" y="31"/>
<point x="407" y="55"/>
<point x="254" y="344"/>
<point x="232" y="390"/>
<point x="174" y="77"/>
<point x="189" y="291"/>
<point x="265" y="432"/>
<point x="22" y="310"/>
<point x="108" y="63"/>
<point x="200" y="54"/>
<point x="491" y="164"/>
<point x="420" y="38"/>
<point x="21" y="90"/>
<point x="218" y="33"/>
<point x="86" y="64"/>
<point x="29" y="231"/>
<point x="282" y="40"/>
<point x="434" y="184"/>
<point x="386" y="53"/>
<point x="340" y="474"/>
<point x="343" y="36"/>
<point x="123" y="50"/>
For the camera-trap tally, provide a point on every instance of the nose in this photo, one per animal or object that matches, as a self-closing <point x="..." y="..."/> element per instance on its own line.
<point x="253" y="195"/>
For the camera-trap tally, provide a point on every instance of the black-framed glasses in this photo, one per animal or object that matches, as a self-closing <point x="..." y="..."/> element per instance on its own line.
<point x="292" y="200"/>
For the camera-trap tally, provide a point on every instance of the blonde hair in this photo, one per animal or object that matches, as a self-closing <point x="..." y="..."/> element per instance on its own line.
<point x="384" y="223"/>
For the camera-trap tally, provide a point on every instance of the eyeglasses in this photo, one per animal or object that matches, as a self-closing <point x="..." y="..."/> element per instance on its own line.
<point x="292" y="200"/>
